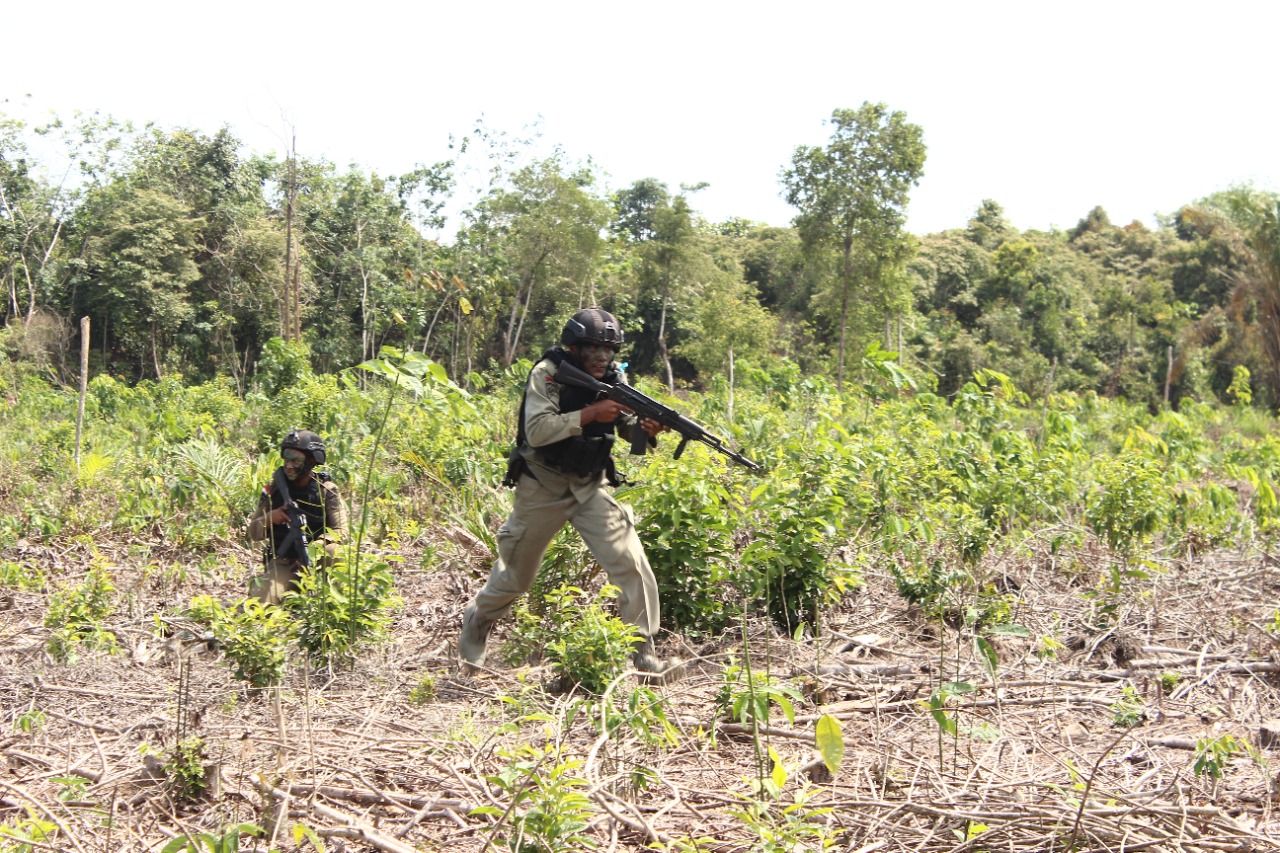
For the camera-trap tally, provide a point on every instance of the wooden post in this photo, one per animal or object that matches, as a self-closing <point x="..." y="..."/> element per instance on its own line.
<point x="84" y="382"/>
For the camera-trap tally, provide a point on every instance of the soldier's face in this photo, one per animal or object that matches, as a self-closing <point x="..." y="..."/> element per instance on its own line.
<point x="596" y="359"/>
<point x="295" y="462"/>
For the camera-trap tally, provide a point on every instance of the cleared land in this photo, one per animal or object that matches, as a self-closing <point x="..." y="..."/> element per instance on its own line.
<point x="360" y="759"/>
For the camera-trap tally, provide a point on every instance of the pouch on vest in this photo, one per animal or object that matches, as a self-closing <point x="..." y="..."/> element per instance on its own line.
<point x="585" y="456"/>
<point x="516" y="468"/>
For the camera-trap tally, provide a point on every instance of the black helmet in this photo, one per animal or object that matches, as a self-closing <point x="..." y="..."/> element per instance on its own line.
<point x="592" y="326"/>
<point x="306" y="441"/>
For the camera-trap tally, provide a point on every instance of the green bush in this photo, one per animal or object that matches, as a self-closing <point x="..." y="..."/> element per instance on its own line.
<point x="687" y="517"/>
<point x="586" y="646"/>
<point x="254" y="636"/>
<point x="76" y="614"/>
<point x="1129" y="503"/>
<point x="343" y="606"/>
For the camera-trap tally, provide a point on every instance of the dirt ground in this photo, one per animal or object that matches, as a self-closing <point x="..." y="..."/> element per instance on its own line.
<point x="363" y="762"/>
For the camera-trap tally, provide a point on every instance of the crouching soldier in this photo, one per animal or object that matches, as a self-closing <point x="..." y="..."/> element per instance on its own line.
<point x="298" y="506"/>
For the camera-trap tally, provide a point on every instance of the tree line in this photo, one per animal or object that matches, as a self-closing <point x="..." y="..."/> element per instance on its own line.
<point x="190" y="256"/>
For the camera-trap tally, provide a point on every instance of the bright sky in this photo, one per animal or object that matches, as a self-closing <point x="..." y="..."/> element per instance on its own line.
<point x="1048" y="108"/>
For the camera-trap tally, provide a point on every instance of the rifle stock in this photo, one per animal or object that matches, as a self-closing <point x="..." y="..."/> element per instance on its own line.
<point x="645" y="406"/>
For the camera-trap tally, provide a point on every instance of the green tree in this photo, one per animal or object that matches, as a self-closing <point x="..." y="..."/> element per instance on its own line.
<point x="989" y="227"/>
<point x="542" y="236"/>
<point x="141" y="267"/>
<point x="30" y="223"/>
<point x="852" y="197"/>
<point x="1257" y="214"/>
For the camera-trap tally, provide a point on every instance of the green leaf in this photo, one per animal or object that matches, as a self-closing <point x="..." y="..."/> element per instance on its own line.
<point x="988" y="652"/>
<point x="830" y="742"/>
<point x="1009" y="630"/>
<point x="779" y="774"/>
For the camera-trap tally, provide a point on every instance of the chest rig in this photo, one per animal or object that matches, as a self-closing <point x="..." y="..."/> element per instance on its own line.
<point x="587" y="455"/>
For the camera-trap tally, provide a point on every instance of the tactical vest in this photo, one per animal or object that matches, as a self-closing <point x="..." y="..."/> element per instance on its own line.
<point x="310" y="500"/>
<point x="585" y="455"/>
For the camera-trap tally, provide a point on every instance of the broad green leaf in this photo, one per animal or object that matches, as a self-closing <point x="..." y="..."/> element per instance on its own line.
<point x="779" y="774"/>
<point x="1009" y="630"/>
<point x="988" y="653"/>
<point x="830" y="741"/>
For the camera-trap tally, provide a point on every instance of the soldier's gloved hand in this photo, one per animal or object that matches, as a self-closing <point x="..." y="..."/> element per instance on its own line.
<point x="280" y="515"/>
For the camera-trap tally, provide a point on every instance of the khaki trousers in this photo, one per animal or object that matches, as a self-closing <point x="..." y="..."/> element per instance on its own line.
<point x="608" y="528"/>
<point x="280" y="575"/>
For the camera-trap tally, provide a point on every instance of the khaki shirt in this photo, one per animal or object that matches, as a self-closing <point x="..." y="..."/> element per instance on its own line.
<point x="545" y="424"/>
<point x="335" y="514"/>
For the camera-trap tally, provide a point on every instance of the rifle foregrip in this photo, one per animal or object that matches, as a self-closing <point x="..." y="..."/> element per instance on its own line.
<point x="639" y="439"/>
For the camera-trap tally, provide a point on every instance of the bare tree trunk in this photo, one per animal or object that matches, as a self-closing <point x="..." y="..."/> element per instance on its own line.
<point x="444" y="303"/>
<point x="84" y="382"/>
<point x="297" y="299"/>
<point x="524" y="293"/>
<point x="286" y="292"/>
<point x="366" y="350"/>
<point x="524" y="312"/>
<point x="662" y="345"/>
<point x="730" y="406"/>
<point x="155" y="352"/>
<point x="31" y="282"/>
<point x="844" y="322"/>
<point x="1168" y="376"/>
<point x="846" y="283"/>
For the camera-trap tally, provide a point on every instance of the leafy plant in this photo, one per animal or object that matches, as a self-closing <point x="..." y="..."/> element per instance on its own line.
<point x="1212" y="755"/>
<point x="940" y="700"/>
<point x="746" y="697"/>
<point x="29" y="722"/>
<point x="27" y="835"/>
<point x="800" y="518"/>
<point x="645" y="715"/>
<point x="1131" y="501"/>
<point x="1129" y="710"/>
<point x="340" y="607"/>
<point x="185" y="769"/>
<point x="785" y="828"/>
<point x="687" y="518"/>
<point x="424" y="692"/>
<point x="72" y="788"/>
<point x="547" y="810"/>
<point x="588" y="647"/>
<point x="211" y="468"/>
<point x="22" y="577"/>
<point x="208" y="842"/>
<point x="76" y="614"/>
<point x="254" y="636"/>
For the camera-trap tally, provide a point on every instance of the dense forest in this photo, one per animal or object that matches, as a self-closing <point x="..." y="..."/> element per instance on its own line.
<point x="189" y="255"/>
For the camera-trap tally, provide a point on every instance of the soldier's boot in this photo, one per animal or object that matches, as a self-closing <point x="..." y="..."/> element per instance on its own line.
<point x="474" y="638"/>
<point x="653" y="669"/>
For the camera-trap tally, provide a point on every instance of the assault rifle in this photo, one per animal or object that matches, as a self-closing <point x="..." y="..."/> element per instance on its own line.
<point x="647" y="407"/>
<point x="297" y="530"/>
